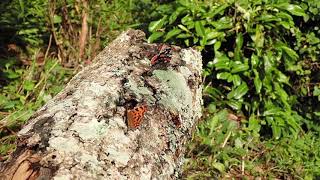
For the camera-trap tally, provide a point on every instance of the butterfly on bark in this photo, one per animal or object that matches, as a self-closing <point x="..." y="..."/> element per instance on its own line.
<point x="164" y="55"/>
<point x="135" y="116"/>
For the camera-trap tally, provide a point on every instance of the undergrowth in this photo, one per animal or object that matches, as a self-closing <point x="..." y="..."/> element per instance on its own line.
<point x="222" y="148"/>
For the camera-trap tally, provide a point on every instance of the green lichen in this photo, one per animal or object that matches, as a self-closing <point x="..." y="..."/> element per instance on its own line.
<point x="141" y="93"/>
<point x="90" y="130"/>
<point x="176" y="94"/>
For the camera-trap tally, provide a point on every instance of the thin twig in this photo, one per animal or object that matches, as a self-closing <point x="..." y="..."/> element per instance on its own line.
<point x="242" y="165"/>
<point x="49" y="46"/>
<point x="51" y="11"/>
<point x="226" y="140"/>
<point x="84" y="30"/>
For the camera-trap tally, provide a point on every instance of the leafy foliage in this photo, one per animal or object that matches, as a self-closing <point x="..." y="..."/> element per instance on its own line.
<point x="261" y="62"/>
<point x="250" y="48"/>
<point x="23" y="22"/>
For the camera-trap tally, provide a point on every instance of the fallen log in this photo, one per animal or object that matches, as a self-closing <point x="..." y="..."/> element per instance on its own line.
<point x="123" y="117"/>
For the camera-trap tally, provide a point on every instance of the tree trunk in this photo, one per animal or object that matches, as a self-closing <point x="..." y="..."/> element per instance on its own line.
<point x="122" y="117"/>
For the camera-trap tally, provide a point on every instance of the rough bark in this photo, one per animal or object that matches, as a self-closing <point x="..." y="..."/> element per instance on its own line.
<point x="82" y="133"/>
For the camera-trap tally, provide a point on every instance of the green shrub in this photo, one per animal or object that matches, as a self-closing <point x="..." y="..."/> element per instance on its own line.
<point x="260" y="59"/>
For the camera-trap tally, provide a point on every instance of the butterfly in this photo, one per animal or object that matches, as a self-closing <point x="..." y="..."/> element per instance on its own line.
<point x="165" y="54"/>
<point x="135" y="116"/>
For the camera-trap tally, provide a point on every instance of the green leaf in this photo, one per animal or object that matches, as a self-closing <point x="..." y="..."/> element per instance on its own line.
<point x="268" y="63"/>
<point x="282" y="94"/>
<point x="195" y="40"/>
<point x="22" y="7"/>
<point x="154" y="36"/>
<point x="200" y="29"/>
<point x="223" y="23"/>
<point x="236" y="80"/>
<point x="238" y="143"/>
<point x="221" y="62"/>
<point x="221" y="59"/>
<point x="316" y="92"/>
<point x="214" y="92"/>
<point x="281" y="77"/>
<point x="272" y="111"/>
<point x="214" y="11"/>
<point x="267" y="18"/>
<point x="239" y="68"/>
<point x="184" y="3"/>
<point x="172" y="33"/>
<point x="57" y="19"/>
<point x="254" y="124"/>
<point x="217" y="46"/>
<point x="214" y="34"/>
<point x="3" y="100"/>
<point x="203" y="41"/>
<point x="223" y="75"/>
<point x="285" y="24"/>
<point x="187" y="42"/>
<point x="184" y="28"/>
<point x="257" y="82"/>
<point x="291" y="53"/>
<point x="211" y="42"/>
<point x="239" y="91"/>
<point x="254" y="61"/>
<point x="276" y="131"/>
<point x="219" y="166"/>
<point x="239" y="40"/>
<point x="9" y="104"/>
<point x="291" y="121"/>
<point x="211" y="108"/>
<point x="230" y="79"/>
<point x="28" y="85"/>
<point x="285" y="16"/>
<point x="186" y="20"/>
<point x="292" y="8"/>
<point x="183" y="36"/>
<point x="155" y="25"/>
<point x="239" y="43"/>
<point x="28" y="31"/>
<point x="236" y="105"/>
<point x="11" y="74"/>
<point x="258" y="37"/>
<point x="213" y="121"/>
<point x="175" y="14"/>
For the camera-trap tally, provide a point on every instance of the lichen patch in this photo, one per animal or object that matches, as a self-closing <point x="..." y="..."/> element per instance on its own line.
<point x="90" y="130"/>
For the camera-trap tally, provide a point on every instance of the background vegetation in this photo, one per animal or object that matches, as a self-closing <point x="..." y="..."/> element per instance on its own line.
<point x="261" y="76"/>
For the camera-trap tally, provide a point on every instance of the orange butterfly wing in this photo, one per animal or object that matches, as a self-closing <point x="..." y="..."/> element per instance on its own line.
<point x="135" y="116"/>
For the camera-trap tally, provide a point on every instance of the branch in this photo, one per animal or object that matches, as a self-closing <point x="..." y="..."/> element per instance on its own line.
<point x="82" y="133"/>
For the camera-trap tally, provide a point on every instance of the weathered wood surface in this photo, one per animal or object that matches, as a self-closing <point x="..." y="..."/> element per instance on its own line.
<point x="82" y="132"/>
